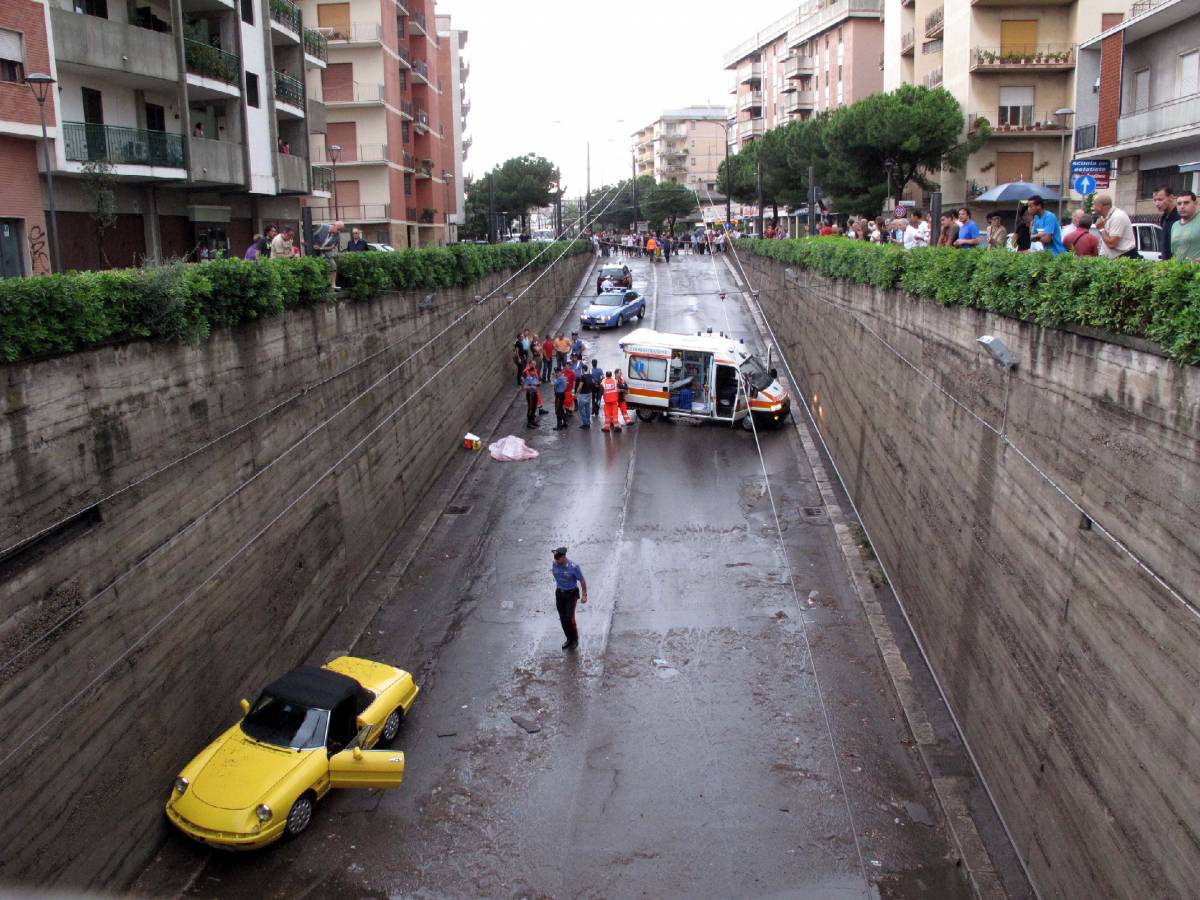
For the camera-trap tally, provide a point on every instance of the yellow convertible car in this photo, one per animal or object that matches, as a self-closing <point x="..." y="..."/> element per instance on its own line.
<point x="309" y="731"/>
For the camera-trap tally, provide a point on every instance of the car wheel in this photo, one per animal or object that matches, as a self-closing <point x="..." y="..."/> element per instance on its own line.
<point x="747" y="424"/>
<point x="391" y="726"/>
<point x="299" y="816"/>
<point x="647" y="415"/>
<point x="620" y="320"/>
<point x="642" y="313"/>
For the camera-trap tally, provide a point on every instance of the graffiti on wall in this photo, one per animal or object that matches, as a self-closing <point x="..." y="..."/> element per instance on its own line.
<point x="39" y="260"/>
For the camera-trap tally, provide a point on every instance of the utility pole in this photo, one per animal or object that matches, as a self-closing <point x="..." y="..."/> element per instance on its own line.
<point x="728" y="181"/>
<point x="812" y="201"/>
<point x="633" y="169"/>
<point x="491" y="210"/>
<point x="760" y="202"/>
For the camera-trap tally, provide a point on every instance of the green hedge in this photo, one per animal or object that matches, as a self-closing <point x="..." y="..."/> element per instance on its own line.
<point x="1155" y="300"/>
<point x="184" y="302"/>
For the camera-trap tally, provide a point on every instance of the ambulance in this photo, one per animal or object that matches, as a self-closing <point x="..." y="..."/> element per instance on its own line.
<point x="701" y="376"/>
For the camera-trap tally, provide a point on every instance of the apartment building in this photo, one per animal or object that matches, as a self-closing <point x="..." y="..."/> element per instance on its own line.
<point x="24" y="242"/>
<point x="194" y="111"/>
<point x="389" y="109"/>
<point x="1137" y="100"/>
<point x="1011" y="64"/>
<point x="821" y="56"/>
<point x="684" y="145"/>
<point x="459" y="106"/>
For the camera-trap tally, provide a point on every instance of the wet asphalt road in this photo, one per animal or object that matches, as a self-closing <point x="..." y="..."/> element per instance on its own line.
<point x="712" y="776"/>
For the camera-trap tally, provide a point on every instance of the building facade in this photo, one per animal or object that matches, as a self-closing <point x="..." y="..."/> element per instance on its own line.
<point x="1013" y="65"/>
<point x="683" y="145"/>
<point x="388" y="95"/>
<point x="817" y="58"/>
<point x="190" y="114"/>
<point x="460" y="107"/>
<point x="1137" y="101"/>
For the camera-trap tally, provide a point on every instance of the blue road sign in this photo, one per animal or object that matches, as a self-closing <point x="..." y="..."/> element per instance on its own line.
<point x="1085" y="184"/>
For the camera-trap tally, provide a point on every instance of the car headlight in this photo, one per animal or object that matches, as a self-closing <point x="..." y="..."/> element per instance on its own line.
<point x="263" y="812"/>
<point x="181" y="784"/>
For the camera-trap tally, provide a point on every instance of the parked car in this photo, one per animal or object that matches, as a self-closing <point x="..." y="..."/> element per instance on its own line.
<point x="1148" y="236"/>
<point x="311" y="730"/>
<point x="620" y="274"/>
<point x="613" y="308"/>
<point x="386" y="248"/>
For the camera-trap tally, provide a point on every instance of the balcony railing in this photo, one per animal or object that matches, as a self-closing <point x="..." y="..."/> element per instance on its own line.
<point x="420" y="70"/>
<point x="425" y="168"/>
<point x="416" y="18"/>
<point x="410" y="214"/>
<point x="357" y="33"/>
<point x="817" y="17"/>
<point x="422" y="119"/>
<point x="1018" y="120"/>
<point x="801" y="101"/>
<point x="316" y="45"/>
<point x="1174" y="115"/>
<point x="934" y="78"/>
<point x="355" y="92"/>
<point x="358" y="212"/>
<point x="934" y="22"/>
<point x="120" y="145"/>
<point x="293" y="173"/>
<point x="322" y="178"/>
<point x="289" y="89"/>
<point x="1025" y="58"/>
<point x="751" y="128"/>
<point x="797" y="66"/>
<point x="751" y="100"/>
<point x="409" y="162"/>
<point x="209" y="62"/>
<point x="1085" y="138"/>
<point x="406" y="109"/>
<point x="752" y="72"/>
<point x="351" y="153"/>
<point x="286" y="14"/>
<point x="908" y="41"/>
<point x="405" y="56"/>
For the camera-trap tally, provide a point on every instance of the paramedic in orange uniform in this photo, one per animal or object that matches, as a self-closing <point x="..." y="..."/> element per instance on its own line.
<point x="609" y="389"/>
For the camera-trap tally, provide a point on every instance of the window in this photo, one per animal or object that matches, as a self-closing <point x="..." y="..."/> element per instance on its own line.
<point x="97" y="8"/>
<point x="252" y="90"/>
<point x="405" y="133"/>
<point x="248" y="11"/>
<point x="403" y="80"/>
<point x="1141" y="89"/>
<point x="1149" y="179"/>
<point x="648" y="368"/>
<point x="1189" y="73"/>
<point x="12" y="56"/>
<point x="1016" y="107"/>
<point x="407" y="183"/>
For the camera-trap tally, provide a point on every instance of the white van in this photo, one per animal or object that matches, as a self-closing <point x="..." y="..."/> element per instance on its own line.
<point x="701" y="376"/>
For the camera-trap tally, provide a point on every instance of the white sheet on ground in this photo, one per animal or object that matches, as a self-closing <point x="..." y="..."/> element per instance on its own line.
<point x="511" y="449"/>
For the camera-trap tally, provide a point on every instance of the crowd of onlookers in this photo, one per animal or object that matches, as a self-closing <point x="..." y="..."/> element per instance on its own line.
<point x="658" y="244"/>
<point x="1104" y="230"/>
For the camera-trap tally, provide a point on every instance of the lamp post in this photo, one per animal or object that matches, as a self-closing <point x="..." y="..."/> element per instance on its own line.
<point x="888" y="165"/>
<point x="40" y="83"/>
<point x="1066" y="112"/>
<point x="334" y="150"/>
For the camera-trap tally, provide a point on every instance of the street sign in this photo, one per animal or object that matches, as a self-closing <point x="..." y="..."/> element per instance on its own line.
<point x="1084" y="185"/>
<point x="1099" y="169"/>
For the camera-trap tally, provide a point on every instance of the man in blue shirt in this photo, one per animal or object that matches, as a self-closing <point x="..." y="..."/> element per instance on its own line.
<point x="968" y="232"/>
<point x="1045" y="228"/>
<point x="568" y="579"/>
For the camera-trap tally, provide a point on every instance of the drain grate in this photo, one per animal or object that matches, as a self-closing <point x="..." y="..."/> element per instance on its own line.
<point x="814" y="511"/>
<point x="457" y="510"/>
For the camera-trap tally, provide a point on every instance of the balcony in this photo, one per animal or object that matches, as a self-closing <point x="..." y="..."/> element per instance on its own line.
<point x="1175" y="119"/>
<point x="425" y="168"/>
<point x="464" y="70"/>
<point x="361" y="34"/>
<point x="908" y="43"/>
<point x="140" y="56"/>
<point x="122" y="146"/>
<point x="1030" y="58"/>
<point x="416" y="23"/>
<point x="750" y="73"/>
<point x="1019" y="121"/>
<point x="815" y="19"/>
<point x="1085" y="138"/>
<point x="801" y="101"/>
<point x="409" y="163"/>
<point x="405" y="56"/>
<point x="796" y="66"/>
<point x="786" y="86"/>
<point x="934" y="22"/>
<point x="293" y="173"/>
<point x="934" y="78"/>
<point x="751" y="128"/>
<point x="421" y="124"/>
<point x="216" y="162"/>
<point x="316" y="48"/>
<point x="315" y="113"/>
<point x="406" y="110"/>
<point x="358" y="214"/>
<point x="750" y="100"/>
<point x="322" y="181"/>
<point x="354" y="94"/>
<point x="353" y="153"/>
<point x="465" y="106"/>
<point x="420" y="72"/>
<point x="285" y="19"/>
<point x="212" y="72"/>
<point x="289" y="94"/>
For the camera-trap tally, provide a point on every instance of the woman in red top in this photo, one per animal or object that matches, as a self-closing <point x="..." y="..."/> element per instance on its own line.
<point x="569" y="402"/>
<point x="547" y="358"/>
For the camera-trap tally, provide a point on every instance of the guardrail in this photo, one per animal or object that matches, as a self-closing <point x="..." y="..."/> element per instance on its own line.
<point x="1023" y="57"/>
<point x="359" y="212"/>
<point x="289" y="89"/>
<point x="354" y="93"/>
<point x="286" y="14"/>
<point x="315" y="44"/>
<point x="120" y="145"/>
<point x="210" y="62"/>
<point x="357" y="33"/>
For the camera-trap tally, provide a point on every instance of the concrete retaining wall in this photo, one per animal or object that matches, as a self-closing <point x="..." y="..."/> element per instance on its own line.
<point x="83" y="796"/>
<point x="1071" y="667"/>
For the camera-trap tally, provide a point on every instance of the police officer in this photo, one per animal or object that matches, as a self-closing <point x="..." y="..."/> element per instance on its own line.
<point x="597" y="378"/>
<point x="560" y="400"/>
<point x="568" y="579"/>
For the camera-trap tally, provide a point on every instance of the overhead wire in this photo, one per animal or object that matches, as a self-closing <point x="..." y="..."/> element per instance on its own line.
<point x="200" y="518"/>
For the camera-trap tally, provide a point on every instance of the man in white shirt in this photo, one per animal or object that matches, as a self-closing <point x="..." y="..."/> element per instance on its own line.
<point x="916" y="234"/>
<point x="1116" y="231"/>
<point x="1074" y="226"/>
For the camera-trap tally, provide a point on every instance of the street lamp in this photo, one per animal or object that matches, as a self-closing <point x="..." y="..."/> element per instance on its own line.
<point x="334" y="150"/>
<point x="40" y="83"/>
<point x="1065" y="112"/>
<point x="888" y="165"/>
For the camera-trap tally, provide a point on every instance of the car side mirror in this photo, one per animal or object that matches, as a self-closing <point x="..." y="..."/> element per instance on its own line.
<point x="774" y="373"/>
<point x="357" y="751"/>
<point x="245" y="705"/>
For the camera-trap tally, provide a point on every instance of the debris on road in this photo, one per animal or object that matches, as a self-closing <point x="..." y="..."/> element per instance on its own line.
<point x="446" y="734"/>
<point x="662" y="663"/>
<point x="529" y="725"/>
<point x="511" y="449"/>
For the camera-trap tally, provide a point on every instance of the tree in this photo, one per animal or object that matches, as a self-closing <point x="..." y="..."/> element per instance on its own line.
<point x="670" y="201"/>
<point x="98" y="184"/>
<point x="917" y="128"/>
<point x="618" y="215"/>
<point x="514" y="187"/>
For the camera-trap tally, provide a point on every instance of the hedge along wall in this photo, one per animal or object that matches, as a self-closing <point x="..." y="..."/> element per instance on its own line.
<point x="1158" y="301"/>
<point x="1070" y="663"/>
<point x="142" y="453"/>
<point x="185" y="302"/>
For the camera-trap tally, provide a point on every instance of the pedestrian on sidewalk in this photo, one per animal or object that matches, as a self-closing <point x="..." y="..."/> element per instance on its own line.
<point x="532" y="399"/>
<point x="560" y="400"/>
<point x="547" y="364"/>
<point x="583" y="390"/>
<point x="568" y="580"/>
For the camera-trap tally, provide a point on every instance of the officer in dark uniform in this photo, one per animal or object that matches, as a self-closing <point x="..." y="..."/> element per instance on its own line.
<point x="568" y="579"/>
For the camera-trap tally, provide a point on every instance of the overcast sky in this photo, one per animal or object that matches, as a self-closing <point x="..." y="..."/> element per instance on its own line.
<point x="587" y="64"/>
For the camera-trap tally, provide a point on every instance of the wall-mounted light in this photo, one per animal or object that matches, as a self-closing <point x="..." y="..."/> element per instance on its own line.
<point x="1000" y="354"/>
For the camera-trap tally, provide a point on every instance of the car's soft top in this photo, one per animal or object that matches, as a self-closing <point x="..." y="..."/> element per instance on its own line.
<point x="315" y="688"/>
